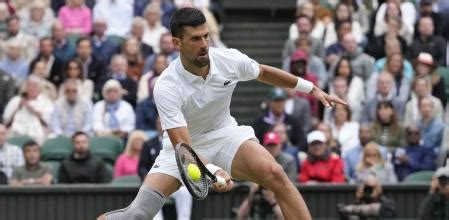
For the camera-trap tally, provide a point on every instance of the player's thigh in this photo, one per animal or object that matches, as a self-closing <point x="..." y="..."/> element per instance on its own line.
<point x="163" y="183"/>
<point x="252" y="162"/>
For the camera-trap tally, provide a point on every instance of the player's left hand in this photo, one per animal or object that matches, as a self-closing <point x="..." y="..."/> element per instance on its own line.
<point x="229" y="183"/>
<point x="327" y="100"/>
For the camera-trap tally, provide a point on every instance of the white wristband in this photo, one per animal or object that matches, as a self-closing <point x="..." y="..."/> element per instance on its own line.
<point x="303" y="85"/>
<point x="212" y="168"/>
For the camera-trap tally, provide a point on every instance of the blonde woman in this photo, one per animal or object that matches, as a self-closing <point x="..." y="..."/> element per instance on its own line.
<point x="126" y="164"/>
<point x="372" y="163"/>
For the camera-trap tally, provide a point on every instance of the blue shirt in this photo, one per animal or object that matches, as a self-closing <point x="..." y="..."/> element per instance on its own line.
<point x="16" y="69"/>
<point x="65" y="52"/>
<point x="432" y="134"/>
<point x="352" y="158"/>
<point x="146" y="114"/>
<point x="419" y="158"/>
<point x="408" y="69"/>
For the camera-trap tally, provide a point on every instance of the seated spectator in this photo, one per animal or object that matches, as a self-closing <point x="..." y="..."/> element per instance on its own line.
<point x="336" y="50"/>
<point x="272" y="143"/>
<point x="387" y="128"/>
<point x="72" y="112"/>
<point x="413" y="157"/>
<point x="425" y="66"/>
<point x="4" y="14"/>
<point x="344" y="130"/>
<point x="167" y="49"/>
<point x="126" y="163"/>
<point x="119" y="67"/>
<point x="331" y="142"/>
<point x="33" y="172"/>
<point x="53" y="65"/>
<point x="321" y="165"/>
<point x="370" y="202"/>
<point x="281" y="130"/>
<point x="73" y="70"/>
<point x="426" y="42"/>
<point x="275" y="113"/>
<point x="81" y="166"/>
<point x="76" y="17"/>
<point x="154" y="28"/>
<point x="137" y="30"/>
<point x="359" y="13"/>
<point x="379" y="46"/>
<point x="167" y="8"/>
<point x="103" y="45"/>
<point x="426" y="9"/>
<point x="13" y="64"/>
<point x="421" y="88"/>
<point x="431" y="128"/>
<point x="372" y="163"/>
<point x="260" y="203"/>
<point x="113" y="115"/>
<point x="48" y="89"/>
<point x="385" y="93"/>
<point x="299" y="108"/>
<point x="405" y="10"/>
<point x="29" y="112"/>
<point x="393" y="46"/>
<point x="131" y="51"/>
<point x="150" y="78"/>
<point x="146" y="112"/>
<point x="394" y="12"/>
<point x="28" y="44"/>
<point x="118" y="25"/>
<point x="433" y="206"/>
<point x="353" y="156"/>
<point x="64" y="49"/>
<point x="341" y="90"/>
<point x="7" y="90"/>
<point x="10" y="155"/>
<point x="37" y="20"/>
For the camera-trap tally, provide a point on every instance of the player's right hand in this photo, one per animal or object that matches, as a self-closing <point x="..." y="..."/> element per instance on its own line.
<point x="229" y="183"/>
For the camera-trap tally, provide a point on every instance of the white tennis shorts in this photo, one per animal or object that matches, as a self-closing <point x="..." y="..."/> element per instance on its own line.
<point x="218" y="147"/>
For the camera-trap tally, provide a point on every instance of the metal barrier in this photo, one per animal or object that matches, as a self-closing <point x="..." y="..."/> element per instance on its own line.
<point x="74" y="202"/>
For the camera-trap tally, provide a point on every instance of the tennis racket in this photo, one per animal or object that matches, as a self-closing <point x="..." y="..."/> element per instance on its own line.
<point x="199" y="188"/>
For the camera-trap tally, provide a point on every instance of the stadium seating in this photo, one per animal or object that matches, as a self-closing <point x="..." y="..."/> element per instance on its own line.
<point x="54" y="164"/>
<point x="106" y="148"/>
<point x="126" y="180"/>
<point x="109" y="172"/>
<point x="421" y="176"/>
<point x="57" y="149"/>
<point x="19" y="140"/>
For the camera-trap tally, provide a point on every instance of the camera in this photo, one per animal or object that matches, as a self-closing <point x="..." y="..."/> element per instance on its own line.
<point x="443" y="180"/>
<point x="367" y="190"/>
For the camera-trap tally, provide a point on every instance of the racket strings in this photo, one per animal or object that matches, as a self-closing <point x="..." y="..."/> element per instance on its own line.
<point x="200" y="186"/>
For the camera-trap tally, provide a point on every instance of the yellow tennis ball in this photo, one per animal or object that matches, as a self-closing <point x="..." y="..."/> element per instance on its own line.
<point x="194" y="172"/>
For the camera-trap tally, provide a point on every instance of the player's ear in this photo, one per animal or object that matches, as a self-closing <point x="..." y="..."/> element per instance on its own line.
<point x="176" y="42"/>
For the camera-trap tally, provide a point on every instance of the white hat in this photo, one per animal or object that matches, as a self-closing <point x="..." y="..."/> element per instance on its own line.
<point x="442" y="172"/>
<point x="316" y="136"/>
<point x="425" y="58"/>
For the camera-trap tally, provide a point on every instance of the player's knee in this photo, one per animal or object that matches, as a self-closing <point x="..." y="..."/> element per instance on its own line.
<point x="274" y="175"/>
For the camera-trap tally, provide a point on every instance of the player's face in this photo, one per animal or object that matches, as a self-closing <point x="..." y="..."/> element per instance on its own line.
<point x="194" y="45"/>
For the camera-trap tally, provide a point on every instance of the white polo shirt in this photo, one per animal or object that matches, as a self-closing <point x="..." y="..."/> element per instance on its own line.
<point x="184" y="99"/>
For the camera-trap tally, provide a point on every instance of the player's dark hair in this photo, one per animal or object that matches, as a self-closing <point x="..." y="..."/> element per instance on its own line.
<point x="29" y="143"/>
<point x="191" y="17"/>
<point x="78" y="133"/>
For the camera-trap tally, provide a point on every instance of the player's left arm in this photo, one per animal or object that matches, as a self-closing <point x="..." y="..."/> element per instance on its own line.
<point x="281" y="78"/>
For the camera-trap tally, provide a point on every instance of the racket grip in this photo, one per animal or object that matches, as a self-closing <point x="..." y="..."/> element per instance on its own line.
<point x="221" y="180"/>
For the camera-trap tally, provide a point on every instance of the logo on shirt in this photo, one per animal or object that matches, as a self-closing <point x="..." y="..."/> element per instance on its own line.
<point x="156" y="165"/>
<point x="227" y="82"/>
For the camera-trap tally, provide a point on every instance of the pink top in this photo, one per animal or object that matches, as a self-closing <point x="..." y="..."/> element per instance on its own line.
<point x="126" y="166"/>
<point x="76" y="18"/>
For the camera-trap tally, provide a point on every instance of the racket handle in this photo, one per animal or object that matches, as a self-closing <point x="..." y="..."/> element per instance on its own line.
<point x="221" y="180"/>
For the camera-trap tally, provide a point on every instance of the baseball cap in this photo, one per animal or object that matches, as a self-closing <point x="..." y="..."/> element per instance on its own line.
<point x="442" y="172"/>
<point x="316" y="136"/>
<point x="271" y="138"/>
<point x="277" y="93"/>
<point x="425" y="58"/>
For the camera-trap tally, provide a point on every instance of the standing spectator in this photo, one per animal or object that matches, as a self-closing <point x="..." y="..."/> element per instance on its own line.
<point x="76" y="17"/>
<point x="103" y="45"/>
<point x="33" y="172"/>
<point x="81" y="166"/>
<point x="72" y="111"/>
<point x="10" y="155"/>
<point x="53" y="65"/>
<point x="434" y="204"/>
<point x="272" y="142"/>
<point x="425" y="66"/>
<point x="353" y="156"/>
<point x="29" y="112"/>
<point x="387" y="129"/>
<point x="118" y="25"/>
<point x="37" y="19"/>
<point x="119" y="67"/>
<point x="321" y="165"/>
<point x="167" y="49"/>
<point x="431" y="128"/>
<point x="28" y="44"/>
<point x="154" y="28"/>
<point x="63" y="48"/>
<point x="7" y="90"/>
<point x="344" y="130"/>
<point x="149" y="78"/>
<point x="425" y="41"/>
<point x="13" y="64"/>
<point x="126" y="163"/>
<point x="133" y="54"/>
<point x="137" y="31"/>
<point x="113" y="115"/>
<point x="73" y="70"/>
<point x="275" y="113"/>
<point x="372" y="163"/>
<point x="299" y="108"/>
<point x="413" y="157"/>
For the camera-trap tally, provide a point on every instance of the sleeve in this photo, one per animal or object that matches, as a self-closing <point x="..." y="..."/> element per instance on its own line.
<point x="169" y="105"/>
<point x="86" y="26"/>
<point x="247" y="68"/>
<point x="130" y="120"/>
<point x="87" y="127"/>
<point x="304" y="175"/>
<point x="12" y="105"/>
<point x="118" y="167"/>
<point x="337" y="172"/>
<point x="55" y="123"/>
<point x="97" y="120"/>
<point x="425" y="162"/>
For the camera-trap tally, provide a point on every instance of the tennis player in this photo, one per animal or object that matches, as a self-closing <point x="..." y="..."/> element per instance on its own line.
<point x="193" y="96"/>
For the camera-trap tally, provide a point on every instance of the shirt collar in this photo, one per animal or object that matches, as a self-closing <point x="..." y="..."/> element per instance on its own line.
<point x="190" y="77"/>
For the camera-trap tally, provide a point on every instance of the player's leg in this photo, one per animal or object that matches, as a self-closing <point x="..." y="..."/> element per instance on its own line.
<point x="252" y="162"/>
<point x="149" y="200"/>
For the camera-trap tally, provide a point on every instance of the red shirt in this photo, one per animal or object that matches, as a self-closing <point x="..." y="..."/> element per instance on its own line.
<point x="330" y="170"/>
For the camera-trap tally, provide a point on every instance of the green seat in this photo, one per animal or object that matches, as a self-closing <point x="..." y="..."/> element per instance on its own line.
<point x="444" y="73"/>
<point x="421" y="176"/>
<point x="19" y="140"/>
<point x="106" y="148"/>
<point x="109" y="172"/>
<point x="54" y="168"/>
<point x="57" y="148"/>
<point x="126" y="180"/>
